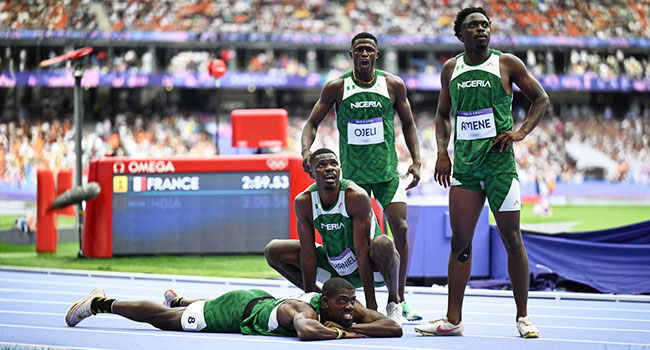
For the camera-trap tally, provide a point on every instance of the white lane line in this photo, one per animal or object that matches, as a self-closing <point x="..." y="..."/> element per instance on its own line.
<point x="564" y="327"/>
<point x="532" y="305"/>
<point x="436" y="311"/>
<point x="541" y="338"/>
<point x="29" y="301"/>
<point x="18" y="346"/>
<point x="467" y="303"/>
<point x="35" y="313"/>
<point x="535" y="315"/>
<point x="624" y="330"/>
<point x="433" y="290"/>
<point x="562" y="316"/>
<point x="217" y="336"/>
<point x="153" y="292"/>
<point x="310" y="344"/>
<point x="64" y="292"/>
<point x="77" y="294"/>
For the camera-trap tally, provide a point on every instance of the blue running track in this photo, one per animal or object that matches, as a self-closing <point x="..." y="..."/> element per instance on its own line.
<point x="33" y="303"/>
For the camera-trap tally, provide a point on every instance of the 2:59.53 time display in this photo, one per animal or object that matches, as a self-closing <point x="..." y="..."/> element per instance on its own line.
<point x="265" y="182"/>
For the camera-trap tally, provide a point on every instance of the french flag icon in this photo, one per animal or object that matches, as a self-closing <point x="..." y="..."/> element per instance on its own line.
<point x="139" y="184"/>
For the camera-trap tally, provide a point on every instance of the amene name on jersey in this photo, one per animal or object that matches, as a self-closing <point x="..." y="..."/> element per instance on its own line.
<point x="476" y="124"/>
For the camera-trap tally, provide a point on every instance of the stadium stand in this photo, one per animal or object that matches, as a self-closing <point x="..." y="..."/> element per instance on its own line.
<point x="592" y="57"/>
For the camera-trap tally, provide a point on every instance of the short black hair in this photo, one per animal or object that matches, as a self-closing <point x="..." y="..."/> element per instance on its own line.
<point x="334" y="285"/>
<point x="364" y="35"/>
<point x="462" y="14"/>
<point x="319" y="152"/>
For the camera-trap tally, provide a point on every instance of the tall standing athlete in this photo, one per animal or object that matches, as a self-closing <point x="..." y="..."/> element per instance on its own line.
<point x="477" y="91"/>
<point x="366" y="100"/>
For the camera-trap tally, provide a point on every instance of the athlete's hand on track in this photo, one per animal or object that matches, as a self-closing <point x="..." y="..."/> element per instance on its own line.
<point x="442" y="173"/>
<point x="346" y="334"/>
<point x="508" y="138"/>
<point x="414" y="170"/>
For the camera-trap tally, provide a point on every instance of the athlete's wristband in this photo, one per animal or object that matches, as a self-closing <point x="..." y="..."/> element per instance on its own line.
<point x="340" y="333"/>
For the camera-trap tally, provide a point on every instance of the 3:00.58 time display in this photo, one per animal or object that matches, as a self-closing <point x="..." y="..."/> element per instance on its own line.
<point x="264" y="182"/>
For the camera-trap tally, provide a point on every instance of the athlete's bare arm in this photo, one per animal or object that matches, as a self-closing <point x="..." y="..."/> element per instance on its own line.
<point x="442" y="172"/>
<point x="300" y="316"/>
<point x="306" y="234"/>
<point x="513" y="70"/>
<point x="373" y="324"/>
<point x="297" y="315"/>
<point x="357" y="203"/>
<point x="330" y="95"/>
<point x="402" y="106"/>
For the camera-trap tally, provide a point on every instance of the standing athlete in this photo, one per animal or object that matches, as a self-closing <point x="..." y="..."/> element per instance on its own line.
<point x="477" y="91"/>
<point x="334" y="314"/>
<point x="366" y="100"/>
<point x="353" y="246"/>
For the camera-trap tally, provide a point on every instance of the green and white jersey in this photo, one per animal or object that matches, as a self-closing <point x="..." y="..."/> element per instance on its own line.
<point x="482" y="109"/>
<point x="335" y="228"/>
<point x="366" y="131"/>
<point x="313" y="299"/>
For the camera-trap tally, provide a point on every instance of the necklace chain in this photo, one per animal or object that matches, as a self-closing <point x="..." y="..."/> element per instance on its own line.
<point x="364" y="83"/>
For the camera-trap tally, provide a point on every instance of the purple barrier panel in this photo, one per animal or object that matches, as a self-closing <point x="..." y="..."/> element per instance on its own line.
<point x="596" y="259"/>
<point x="430" y="239"/>
<point x="242" y="80"/>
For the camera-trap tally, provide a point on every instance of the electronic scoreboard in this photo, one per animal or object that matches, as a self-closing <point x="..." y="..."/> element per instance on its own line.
<point x="222" y="204"/>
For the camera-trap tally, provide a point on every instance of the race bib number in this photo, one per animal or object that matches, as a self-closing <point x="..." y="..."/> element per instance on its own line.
<point x="344" y="264"/>
<point x="475" y="125"/>
<point x="365" y="131"/>
<point x="192" y="319"/>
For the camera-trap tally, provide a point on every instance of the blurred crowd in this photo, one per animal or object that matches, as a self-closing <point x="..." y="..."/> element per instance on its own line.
<point x="24" y="146"/>
<point x="29" y="144"/>
<point x="603" y="65"/>
<point x="549" y="153"/>
<point x="592" y="18"/>
<point x="601" y="18"/>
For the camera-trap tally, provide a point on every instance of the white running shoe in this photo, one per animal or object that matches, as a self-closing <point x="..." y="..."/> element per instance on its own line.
<point x="81" y="309"/>
<point x="170" y="296"/>
<point x="409" y="314"/>
<point x="440" y="327"/>
<point x="526" y="328"/>
<point x="394" y="312"/>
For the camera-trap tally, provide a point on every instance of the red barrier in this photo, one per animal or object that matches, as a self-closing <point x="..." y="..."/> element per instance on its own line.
<point x="378" y="213"/>
<point x="46" y="233"/>
<point x="63" y="183"/>
<point x="97" y="240"/>
<point x="259" y="127"/>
